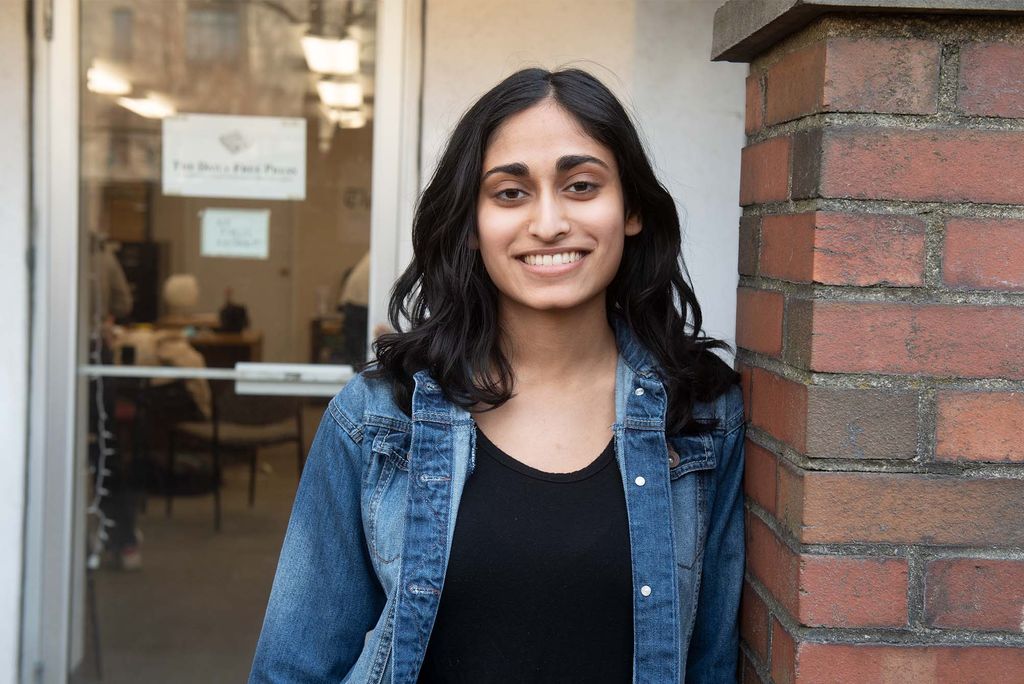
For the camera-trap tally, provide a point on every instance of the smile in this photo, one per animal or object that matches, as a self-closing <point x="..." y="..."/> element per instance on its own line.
<point x="551" y="259"/>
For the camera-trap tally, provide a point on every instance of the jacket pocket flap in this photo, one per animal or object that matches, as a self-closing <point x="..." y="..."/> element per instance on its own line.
<point x="695" y="452"/>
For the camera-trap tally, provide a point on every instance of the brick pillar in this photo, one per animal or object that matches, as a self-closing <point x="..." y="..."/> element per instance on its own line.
<point x="881" y="332"/>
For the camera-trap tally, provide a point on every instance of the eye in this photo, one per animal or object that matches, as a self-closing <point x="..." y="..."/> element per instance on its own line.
<point x="582" y="187"/>
<point x="510" y="194"/>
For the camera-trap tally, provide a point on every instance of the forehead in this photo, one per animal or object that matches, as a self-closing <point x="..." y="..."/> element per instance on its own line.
<point x="538" y="136"/>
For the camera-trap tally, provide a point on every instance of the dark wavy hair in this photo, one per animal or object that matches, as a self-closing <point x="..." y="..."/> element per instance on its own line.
<point x="451" y="304"/>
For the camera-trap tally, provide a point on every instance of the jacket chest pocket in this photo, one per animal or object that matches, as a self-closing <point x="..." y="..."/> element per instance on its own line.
<point x="690" y="469"/>
<point x="385" y="487"/>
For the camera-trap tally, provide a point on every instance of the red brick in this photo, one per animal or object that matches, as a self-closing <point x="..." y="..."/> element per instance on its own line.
<point x="787" y="247"/>
<point x="980" y="426"/>
<point x="779" y="407"/>
<point x="917" y="339"/>
<point x="748" y="673"/>
<point x="764" y="171"/>
<point x="793" y="86"/>
<point x="974" y="593"/>
<point x="790" y="496"/>
<point x="746" y="380"/>
<point x="844" y="591"/>
<point x="862" y="663"/>
<point x="759" y="476"/>
<point x="750" y="228"/>
<point x="984" y="253"/>
<point x="868" y="249"/>
<point x="904" y="508"/>
<point x="772" y="563"/>
<point x="754" y="622"/>
<point x="828" y="591"/>
<point x="759" y="320"/>
<point x="783" y="666"/>
<point x="949" y="165"/>
<point x="843" y="249"/>
<point x="878" y="75"/>
<point x="755" y="104"/>
<point x="991" y="79"/>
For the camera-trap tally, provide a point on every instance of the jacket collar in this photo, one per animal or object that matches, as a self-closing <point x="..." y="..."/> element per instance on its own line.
<point x="633" y="352"/>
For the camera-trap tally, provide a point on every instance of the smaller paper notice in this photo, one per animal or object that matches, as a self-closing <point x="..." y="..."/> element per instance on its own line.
<point x="235" y="233"/>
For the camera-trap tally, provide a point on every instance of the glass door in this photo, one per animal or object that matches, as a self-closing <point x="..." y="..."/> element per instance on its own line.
<point x="226" y="284"/>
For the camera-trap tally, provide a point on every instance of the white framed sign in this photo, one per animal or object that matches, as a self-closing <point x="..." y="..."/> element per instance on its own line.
<point x="250" y="157"/>
<point x="235" y="233"/>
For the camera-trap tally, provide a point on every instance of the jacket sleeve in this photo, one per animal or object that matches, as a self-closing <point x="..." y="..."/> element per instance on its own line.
<point x="714" y="645"/>
<point x="325" y="596"/>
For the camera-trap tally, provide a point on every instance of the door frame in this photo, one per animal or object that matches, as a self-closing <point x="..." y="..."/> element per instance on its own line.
<point x="53" y="591"/>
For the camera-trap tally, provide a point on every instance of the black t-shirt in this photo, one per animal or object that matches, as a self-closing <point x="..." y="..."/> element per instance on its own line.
<point x="539" y="580"/>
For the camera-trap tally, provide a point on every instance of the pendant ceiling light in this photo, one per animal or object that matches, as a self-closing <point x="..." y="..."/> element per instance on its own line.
<point x="331" y="56"/>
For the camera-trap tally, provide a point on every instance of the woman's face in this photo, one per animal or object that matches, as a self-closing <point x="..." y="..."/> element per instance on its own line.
<point x="550" y="213"/>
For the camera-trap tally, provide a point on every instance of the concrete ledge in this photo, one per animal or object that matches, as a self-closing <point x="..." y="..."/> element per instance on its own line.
<point x="746" y="28"/>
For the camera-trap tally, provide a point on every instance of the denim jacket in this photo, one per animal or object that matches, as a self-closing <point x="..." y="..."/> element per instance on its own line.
<point x="363" y="563"/>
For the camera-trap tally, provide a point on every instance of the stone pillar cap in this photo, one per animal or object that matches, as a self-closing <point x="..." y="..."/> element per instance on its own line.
<point x="746" y="28"/>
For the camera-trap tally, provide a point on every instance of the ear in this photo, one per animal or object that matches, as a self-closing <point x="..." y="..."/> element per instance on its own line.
<point x="633" y="224"/>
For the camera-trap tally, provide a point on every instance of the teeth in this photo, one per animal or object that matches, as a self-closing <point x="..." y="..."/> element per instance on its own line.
<point x="552" y="259"/>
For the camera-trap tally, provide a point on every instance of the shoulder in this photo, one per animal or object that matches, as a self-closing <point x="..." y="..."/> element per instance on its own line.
<point x="366" y="399"/>
<point x="726" y="409"/>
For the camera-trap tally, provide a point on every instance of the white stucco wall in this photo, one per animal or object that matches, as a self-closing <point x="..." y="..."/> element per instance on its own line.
<point x="14" y="280"/>
<point x="654" y="54"/>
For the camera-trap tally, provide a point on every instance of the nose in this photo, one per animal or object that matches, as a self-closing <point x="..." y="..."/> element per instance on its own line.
<point x="549" y="221"/>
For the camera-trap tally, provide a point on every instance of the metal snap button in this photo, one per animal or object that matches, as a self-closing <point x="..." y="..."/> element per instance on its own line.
<point x="645" y="590"/>
<point x="640" y="481"/>
<point x="673" y="458"/>
<point x="639" y="391"/>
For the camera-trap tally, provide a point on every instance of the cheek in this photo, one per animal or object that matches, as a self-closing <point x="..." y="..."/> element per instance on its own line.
<point x="495" y="232"/>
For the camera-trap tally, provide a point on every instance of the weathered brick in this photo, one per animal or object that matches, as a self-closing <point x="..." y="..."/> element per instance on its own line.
<point x="861" y="423"/>
<point x="755" y="104"/>
<point x="787" y="247"/>
<point x="843" y="249"/>
<point x="750" y="229"/>
<point x="783" y="665"/>
<point x="975" y="593"/>
<point x="881" y="75"/>
<point x="789" y="505"/>
<point x="918" y="339"/>
<point x="902" y="508"/>
<point x="754" y="622"/>
<point x="759" y="320"/>
<point x="764" y="171"/>
<point x="859" y="663"/>
<point x="759" y="476"/>
<point x="772" y="563"/>
<point x="844" y="591"/>
<point x="980" y="426"/>
<point x="746" y="380"/>
<point x="854" y="75"/>
<point x="748" y="673"/>
<point x="779" y="407"/>
<point x="984" y="253"/>
<point x="793" y="85"/>
<point x="991" y="79"/>
<point x="947" y="165"/>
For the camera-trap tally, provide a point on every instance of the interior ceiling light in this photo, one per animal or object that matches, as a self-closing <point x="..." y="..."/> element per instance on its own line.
<point x="151" y="107"/>
<point x="325" y="55"/>
<point x="103" y="79"/>
<point x="340" y="94"/>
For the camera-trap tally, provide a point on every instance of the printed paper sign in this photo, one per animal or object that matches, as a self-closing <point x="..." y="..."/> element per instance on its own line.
<point x="235" y="233"/>
<point x="252" y="157"/>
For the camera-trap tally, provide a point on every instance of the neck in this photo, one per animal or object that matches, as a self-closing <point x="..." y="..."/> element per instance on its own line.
<point x="557" y="346"/>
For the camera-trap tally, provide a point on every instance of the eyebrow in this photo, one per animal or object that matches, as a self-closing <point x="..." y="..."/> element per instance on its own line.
<point x="565" y="163"/>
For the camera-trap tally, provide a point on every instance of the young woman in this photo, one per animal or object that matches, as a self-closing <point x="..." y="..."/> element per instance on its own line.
<point x="539" y="479"/>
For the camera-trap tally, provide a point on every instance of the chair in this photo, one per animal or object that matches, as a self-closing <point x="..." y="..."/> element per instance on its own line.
<point x="239" y="423"/>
